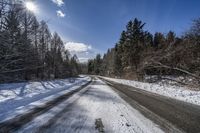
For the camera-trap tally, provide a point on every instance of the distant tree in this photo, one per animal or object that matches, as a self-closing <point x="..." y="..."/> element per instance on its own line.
<point x="148" y="39"/>
<point x="90" y="66"/>
<point x="195" y="28"/>
<point x="171" y="36"/>
<point x="74" y="65"/>
<point x="97" y="64"/>
<point x="159" y="40"/>
<point x="118" y="54"/>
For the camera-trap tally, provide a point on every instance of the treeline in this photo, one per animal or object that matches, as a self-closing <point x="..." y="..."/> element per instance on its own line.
<point x="139" y="53"/>
<point x="28" y="50"/>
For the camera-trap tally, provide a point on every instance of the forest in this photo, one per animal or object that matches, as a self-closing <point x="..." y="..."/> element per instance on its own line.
<point x="28" y="49"/>
<point x="139" y="53"/>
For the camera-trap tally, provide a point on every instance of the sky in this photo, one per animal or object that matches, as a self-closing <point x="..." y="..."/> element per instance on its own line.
<point x="89" y="27"/>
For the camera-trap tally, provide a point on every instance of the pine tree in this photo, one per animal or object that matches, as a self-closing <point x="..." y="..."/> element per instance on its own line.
<point x="118" y="69"/>
<point x="120" y="58"/>
<point x="170" y="38"/>
<point x="134" y="44"/>
<point x="90" y="66"/>
<point x="97" y="64"/>
<point x="159" y="40"/>
<point x="74" y="65"/>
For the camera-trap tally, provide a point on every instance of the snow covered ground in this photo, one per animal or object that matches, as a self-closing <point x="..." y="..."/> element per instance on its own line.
<point x="98" y="102"/>
<point x="175" y="92"/>
<point x="16" y="98"/>
<point x="191" y="82"/>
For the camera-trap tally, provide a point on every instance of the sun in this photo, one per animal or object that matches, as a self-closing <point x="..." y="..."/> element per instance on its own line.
<point x="30" y="6"/>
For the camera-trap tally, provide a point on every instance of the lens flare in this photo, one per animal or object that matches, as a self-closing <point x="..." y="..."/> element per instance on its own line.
<point x="30" y="6"/>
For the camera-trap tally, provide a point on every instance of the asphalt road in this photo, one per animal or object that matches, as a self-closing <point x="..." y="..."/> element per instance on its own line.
<point x="98" y="109"/>
<point x="16" y="123"/>
<point x="172" y="115"/>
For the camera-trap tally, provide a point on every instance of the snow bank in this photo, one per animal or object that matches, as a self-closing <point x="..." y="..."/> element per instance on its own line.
<point x="15" y="96"/>
<point x="176" y="92"/>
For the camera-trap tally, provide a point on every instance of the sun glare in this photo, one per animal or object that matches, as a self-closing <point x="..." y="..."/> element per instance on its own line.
<point x="30" y="6"/>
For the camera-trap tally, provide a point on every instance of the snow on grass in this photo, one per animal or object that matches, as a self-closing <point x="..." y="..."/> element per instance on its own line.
<point x="99" y="102"/>
<point x="16" y="98"/>
<point x="176" y="92"/>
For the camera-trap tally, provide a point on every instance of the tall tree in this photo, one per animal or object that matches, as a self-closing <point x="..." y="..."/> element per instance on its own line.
<point x="159" y="40"/>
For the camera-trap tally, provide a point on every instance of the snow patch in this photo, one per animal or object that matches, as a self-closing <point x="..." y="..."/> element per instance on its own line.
<point x="176" y="92"/>
<point x="17" y="98"/>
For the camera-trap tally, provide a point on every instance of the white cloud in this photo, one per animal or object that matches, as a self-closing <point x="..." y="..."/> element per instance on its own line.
<point x="83" y="51"/>
<point x="58" y="2"/>
<point x="83" y="60"/>
<point x="77" y="47"/>
<point x="60" y="13"/>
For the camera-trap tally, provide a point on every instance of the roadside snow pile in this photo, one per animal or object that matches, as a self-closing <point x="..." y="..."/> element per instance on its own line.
<point x="176" y="92"/>
<point x="173" y="80"/>
<point x="14" y="96"/>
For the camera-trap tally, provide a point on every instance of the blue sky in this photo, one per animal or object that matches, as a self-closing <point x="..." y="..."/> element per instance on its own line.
<point x="92" y="26"/>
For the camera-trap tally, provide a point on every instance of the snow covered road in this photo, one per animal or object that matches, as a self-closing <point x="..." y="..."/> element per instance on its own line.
<point x="96" y="108"/>
<point x="111" y="107"/>
<point x="18" y="98"/>
<point x="172" y="115"/>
